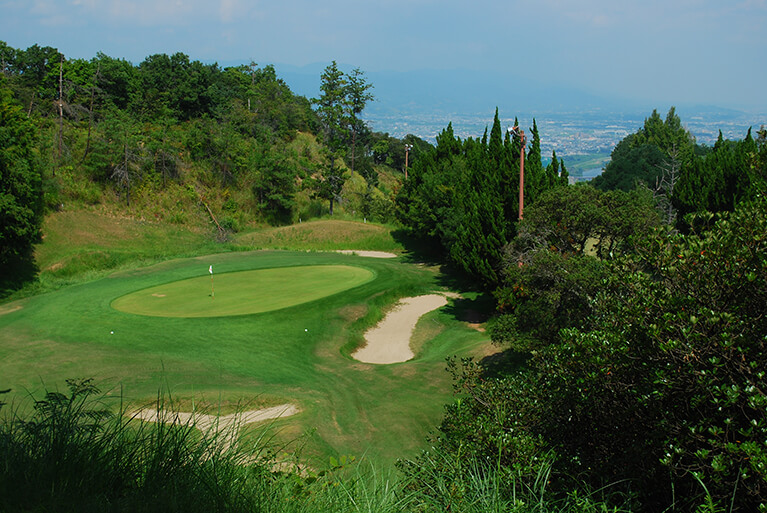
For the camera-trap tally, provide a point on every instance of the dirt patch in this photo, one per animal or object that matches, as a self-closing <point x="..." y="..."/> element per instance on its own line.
<point x="353" y="312"/>
<point x="6" y="309"/>
<point x="389" y="342"/>
<point x="158" y="295"/>
<point x="369" y="254"/>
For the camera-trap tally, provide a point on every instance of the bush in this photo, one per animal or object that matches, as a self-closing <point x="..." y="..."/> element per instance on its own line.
<point x="670" y="381"/>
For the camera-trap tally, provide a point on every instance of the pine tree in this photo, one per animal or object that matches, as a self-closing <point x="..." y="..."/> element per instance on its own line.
<point x="331" y="109"/>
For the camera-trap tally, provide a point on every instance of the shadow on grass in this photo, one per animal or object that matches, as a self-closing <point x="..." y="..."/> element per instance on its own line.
<point x="16" y="274"/>
<point x="475" y="309"/>
<point x="419" y="251"/>
<point x="504" y="363"/>
<point x="430" y="252"/>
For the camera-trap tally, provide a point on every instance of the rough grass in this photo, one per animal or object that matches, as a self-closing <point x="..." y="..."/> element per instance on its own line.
<point x="73" y="452"/>
<point x="324" y="235"/>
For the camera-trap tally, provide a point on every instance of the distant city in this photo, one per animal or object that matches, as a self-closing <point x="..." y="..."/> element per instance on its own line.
<point x="581" y="126"/>
<point x="573" y="135"/>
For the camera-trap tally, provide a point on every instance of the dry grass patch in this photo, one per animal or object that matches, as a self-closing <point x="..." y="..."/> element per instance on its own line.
<point x="324" y="235"/>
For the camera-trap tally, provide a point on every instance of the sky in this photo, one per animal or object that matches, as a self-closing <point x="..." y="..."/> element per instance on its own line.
<point x="667" y="51"/>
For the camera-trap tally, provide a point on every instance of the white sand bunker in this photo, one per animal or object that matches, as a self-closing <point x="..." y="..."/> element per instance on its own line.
<point x="370" y="254"/>
<point x="389" y="342"/>
<point x="205" y="422"/>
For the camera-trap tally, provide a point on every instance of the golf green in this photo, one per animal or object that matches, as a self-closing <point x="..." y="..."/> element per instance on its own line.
<point x="244" y="292"/>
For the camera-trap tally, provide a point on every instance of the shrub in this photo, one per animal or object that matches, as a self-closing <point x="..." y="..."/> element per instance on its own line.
<point x="670" y="381"/>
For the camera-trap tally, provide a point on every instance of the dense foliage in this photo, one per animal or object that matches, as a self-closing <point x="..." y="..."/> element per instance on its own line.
<point x="640" y="157"/>
<point x="684" y="176"/>
<point x="177" y="140"/>
<point x="657" y="387"/>
<point x="731" y="172"/>
<point x="21" y="191"/>
<point x="463" y="196"/>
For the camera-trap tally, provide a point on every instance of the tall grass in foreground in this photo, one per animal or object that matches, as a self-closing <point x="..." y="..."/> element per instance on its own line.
<point x="72" y="454"/>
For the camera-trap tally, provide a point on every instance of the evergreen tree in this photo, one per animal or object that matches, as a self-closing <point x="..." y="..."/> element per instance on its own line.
<point x="331" y="109"/>
<point x="641" y="157"/>
<point x="717" y="182"/>
<point x="564" y="176"/>
<point x="535" y="179"/>
<point x="357" y="97"/>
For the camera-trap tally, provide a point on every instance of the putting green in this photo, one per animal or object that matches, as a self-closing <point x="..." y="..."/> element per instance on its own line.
<point x="245" y="292"/>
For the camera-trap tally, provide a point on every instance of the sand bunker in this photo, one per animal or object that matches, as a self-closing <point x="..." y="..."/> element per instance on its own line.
<point x="370" y="254"/>
<point x="389" y="342"/>
<point x="207" y="422"/>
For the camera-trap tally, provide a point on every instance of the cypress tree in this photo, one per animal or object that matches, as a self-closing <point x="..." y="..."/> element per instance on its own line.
<point x="534" y="176"/>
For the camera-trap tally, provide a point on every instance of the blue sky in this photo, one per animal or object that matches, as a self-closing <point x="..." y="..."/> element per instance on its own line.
<point x="668" y="51"/>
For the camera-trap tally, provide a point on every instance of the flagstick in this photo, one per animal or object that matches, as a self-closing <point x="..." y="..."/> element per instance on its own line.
<point x="212" y="292"/>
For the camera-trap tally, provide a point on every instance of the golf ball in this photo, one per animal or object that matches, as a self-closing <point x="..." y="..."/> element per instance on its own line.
<point x="111" y="332"/>
<point x="306" y="329"/>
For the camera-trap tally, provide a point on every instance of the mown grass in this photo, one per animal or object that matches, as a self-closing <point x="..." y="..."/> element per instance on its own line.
<point x="243" y="292"/>
<point x="298" y="354"/>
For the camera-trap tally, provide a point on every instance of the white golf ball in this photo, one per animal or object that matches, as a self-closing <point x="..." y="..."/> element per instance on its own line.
<point x="111" y="332"/>
<point x="305" y="329"/>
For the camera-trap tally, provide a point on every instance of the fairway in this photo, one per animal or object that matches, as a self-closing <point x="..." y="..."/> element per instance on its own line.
<point x="242" y="293"/>
<point x="280" y="330"/>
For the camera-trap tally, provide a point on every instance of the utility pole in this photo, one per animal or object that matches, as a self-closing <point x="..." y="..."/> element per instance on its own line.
<point x="408" y="147"/>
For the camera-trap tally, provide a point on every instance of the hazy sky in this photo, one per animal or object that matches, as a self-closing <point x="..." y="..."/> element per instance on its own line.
<point x="670" y="51"/>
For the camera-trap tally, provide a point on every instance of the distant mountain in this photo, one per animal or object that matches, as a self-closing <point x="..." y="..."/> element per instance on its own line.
<point x="459" y="92"/>
<point x="573" y="121"/>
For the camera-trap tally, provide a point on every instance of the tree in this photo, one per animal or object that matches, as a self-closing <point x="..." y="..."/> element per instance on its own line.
<point x="331" y="109"/>
<point x="642" y="156"/>
<point x="21" y="198"/>
<point x="275" y="190"/>
<point x="37" y="72"/>
<point x="670" y="379"/>
<point x="552" y="271"/>
<point x="731" y="173"/>
<point x="535" y="178"/>
<point x="357" y="97"/>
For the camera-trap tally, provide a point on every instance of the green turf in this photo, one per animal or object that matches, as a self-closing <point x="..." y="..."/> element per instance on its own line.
<point x="244" y="292"/>
<point x="297" y="354"/>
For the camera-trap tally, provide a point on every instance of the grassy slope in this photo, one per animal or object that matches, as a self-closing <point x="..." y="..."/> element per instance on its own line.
<point x="382" y="411"/>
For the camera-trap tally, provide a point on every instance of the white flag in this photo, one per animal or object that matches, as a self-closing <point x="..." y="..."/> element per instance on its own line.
<point x="211" y="269"/>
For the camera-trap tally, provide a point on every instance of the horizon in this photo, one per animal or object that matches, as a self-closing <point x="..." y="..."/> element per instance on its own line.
<point x="660" y="53"/>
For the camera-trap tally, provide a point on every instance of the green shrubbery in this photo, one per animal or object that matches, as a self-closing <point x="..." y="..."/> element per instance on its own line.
<point x="661" y="393"/>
